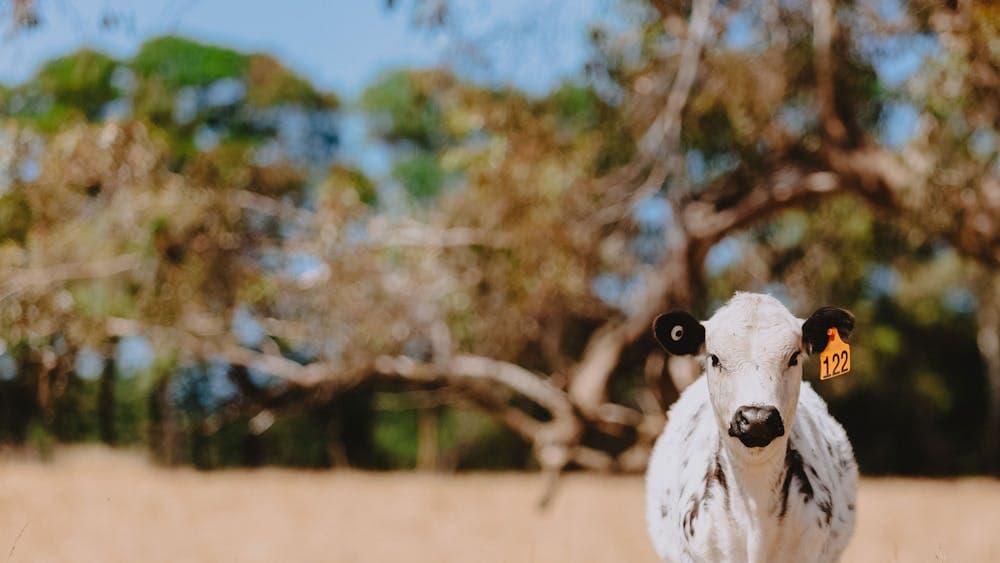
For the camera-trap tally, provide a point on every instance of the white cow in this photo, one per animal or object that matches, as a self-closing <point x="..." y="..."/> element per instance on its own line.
<point x="726" y="481"/>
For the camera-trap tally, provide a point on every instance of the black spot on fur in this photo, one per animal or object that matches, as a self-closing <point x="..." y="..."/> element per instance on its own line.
<point x="812" y="470"/>
<point x="690" y="517"/>
<point x="845" y="463"/>
<point x="690" y="432"/>
<point x="695" y="419"/>
<point x="794" y="469"/>
<point x="713" y="474"/>
<point x="850" y="507"/>
<point x="664" y="510"/>
<point x="824" y="499"/>
<point x="824" y="491"/>
<point x="826" y="507"/>
<point x="720" y="475"/>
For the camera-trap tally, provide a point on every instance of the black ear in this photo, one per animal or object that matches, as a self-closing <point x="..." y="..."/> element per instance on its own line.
<point x="814" y="336"/>
<point x="679" y="333"/>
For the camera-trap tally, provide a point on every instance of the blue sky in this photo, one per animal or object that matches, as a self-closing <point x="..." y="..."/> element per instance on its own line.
<point x="341" y="45"/>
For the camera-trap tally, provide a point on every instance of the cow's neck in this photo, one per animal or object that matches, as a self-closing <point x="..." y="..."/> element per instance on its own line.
<point x="756" y="490"/>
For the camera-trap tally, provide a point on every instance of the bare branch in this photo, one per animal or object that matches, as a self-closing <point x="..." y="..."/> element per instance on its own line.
<point x="50" y="275"/>
<point x="413" y="233"/>
<point x="477" y="367"/>
<point x="202" y="345"/>
<point x="823" y="31"/>
<point x="267" y="205"/>
<point x="550" y="438"/>
<point x="661" y="138"/>
<point x="666" y="8"/>
<point x="777" y="190"/>
<point x="657" y="148"/>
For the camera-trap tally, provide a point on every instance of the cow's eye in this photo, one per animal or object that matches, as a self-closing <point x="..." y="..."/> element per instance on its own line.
<point x="714" y="359"/>
<point x="794" y="360"/>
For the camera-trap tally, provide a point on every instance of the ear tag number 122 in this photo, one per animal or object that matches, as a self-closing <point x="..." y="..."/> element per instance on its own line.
<point x="835" y="359"/>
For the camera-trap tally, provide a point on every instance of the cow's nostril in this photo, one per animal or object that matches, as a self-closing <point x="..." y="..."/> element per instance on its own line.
<point x="741" y="421"/>
<point x="756" y="427"/>
<point x="774" y="422"/>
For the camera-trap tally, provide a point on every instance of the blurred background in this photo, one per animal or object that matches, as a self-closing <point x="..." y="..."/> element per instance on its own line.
<point x="433" y="234"/>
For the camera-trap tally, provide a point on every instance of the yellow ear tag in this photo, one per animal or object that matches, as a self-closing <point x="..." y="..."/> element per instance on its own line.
<point x="835" y="359"/>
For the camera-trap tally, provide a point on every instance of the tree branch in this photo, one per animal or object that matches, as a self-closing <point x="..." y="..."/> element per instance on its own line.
<point x="824" y="27"/>
<point x="58" y="273"/>
<point x="661" y="138"/>
<point x="657" y="148"/>
<point x="552" y="439"/>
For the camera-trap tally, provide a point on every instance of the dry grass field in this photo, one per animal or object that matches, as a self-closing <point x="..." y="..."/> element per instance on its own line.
<point x="92" y="504"/>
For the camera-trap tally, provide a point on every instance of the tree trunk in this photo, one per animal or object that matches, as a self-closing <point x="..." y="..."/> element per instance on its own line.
<point x="106" y="403"/>
<point x="988" y="339"/>
<point x="427" y="439"/>
<point x="163" y="423"/>
<point x="670" y="287"/>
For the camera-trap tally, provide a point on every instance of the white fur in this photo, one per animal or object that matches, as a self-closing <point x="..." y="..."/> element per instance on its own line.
<point x="709" y="497"/>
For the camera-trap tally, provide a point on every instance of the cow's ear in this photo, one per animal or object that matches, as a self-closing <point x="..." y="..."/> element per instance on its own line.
<point x="679" y="333"/>
<point x="814" y="337"/>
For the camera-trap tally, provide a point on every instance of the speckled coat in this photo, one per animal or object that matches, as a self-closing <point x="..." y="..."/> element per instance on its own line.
<point x="705" y="502"/>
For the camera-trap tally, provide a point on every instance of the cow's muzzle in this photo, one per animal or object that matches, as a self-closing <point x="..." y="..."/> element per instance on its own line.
<point x="756" y="427"/>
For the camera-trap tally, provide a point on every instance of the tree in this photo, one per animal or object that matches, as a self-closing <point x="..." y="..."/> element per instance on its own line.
<point x="516" y="257"/>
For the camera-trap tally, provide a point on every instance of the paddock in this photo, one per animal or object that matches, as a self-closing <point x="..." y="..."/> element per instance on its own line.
<point x="94" y="504"/>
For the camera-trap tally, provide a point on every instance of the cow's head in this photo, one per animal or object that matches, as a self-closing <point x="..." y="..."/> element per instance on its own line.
<point x="753" y="348"/>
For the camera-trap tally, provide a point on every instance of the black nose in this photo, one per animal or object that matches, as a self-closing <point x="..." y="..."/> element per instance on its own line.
<point x="756" y="426"/>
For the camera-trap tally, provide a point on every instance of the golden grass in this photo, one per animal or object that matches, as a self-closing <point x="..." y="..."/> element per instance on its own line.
<point x="92" y="504"/>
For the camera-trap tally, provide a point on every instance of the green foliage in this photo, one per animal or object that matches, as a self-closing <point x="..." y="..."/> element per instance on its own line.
<point x="579" y="110"/>
<point x="297" y="439"/>
<point x="343" y="177"/>
<point x="408" y="112"/>
<point x="40" y="439"/>
<point x="98" y="301"/>
<point x="903" y="409"/>
<point x="15" y="218"/>
<point x="81" y="81"/>
<point x="76" y="412"/>
<point x="131" y="408"/>
<point x="473" y="440"/>
<point x="395" y="437"/>
<point x="53" y="119"/>
<point x="172" y="79"/>
<point x="577" y="106"/>
<point x="465" y="439"/>
<point x="181" y="62"/>
<point x="421" y="175"/>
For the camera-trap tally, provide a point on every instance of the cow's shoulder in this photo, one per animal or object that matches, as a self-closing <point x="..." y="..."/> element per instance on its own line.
<point x="681" y="462"/>
<point x="819" y="488"/>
